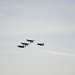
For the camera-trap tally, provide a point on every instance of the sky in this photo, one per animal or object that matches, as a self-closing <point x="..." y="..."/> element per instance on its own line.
<point x="37" y="16"/>
<point x="48" y="21"/>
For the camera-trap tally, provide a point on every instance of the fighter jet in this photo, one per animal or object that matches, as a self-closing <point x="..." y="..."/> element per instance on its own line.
<point x="26" y="44"/>
<point x="40" y="44"/>
<point x="30" y="40"/>
<point x="20" y="46"/>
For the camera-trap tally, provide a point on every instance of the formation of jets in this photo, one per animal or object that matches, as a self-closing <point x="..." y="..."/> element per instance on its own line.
<point x="29" y="41"/>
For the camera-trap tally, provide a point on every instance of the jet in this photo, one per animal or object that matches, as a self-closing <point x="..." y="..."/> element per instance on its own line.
<point x="30" y="40"/>
<point x="20" y="46"/>
<point x="40" y="44"/>
<point x="26" y="44"/>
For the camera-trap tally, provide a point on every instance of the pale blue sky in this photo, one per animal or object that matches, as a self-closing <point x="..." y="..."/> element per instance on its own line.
<point x="48" y="21"/>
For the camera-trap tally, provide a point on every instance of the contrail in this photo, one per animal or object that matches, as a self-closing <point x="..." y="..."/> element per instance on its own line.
<point x="67" y="53"/>
<point x="61" y="53"/>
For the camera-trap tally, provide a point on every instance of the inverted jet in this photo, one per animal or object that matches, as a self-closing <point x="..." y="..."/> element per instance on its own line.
<point x="30" y="40"/>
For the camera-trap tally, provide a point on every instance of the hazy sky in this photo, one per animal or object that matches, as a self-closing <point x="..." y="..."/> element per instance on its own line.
<point x="37" y="16"/>
<point x="48" y="21"/>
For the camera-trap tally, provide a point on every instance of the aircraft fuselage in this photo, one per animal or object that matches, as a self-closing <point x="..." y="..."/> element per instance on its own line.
<point x="41" y="44"/>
